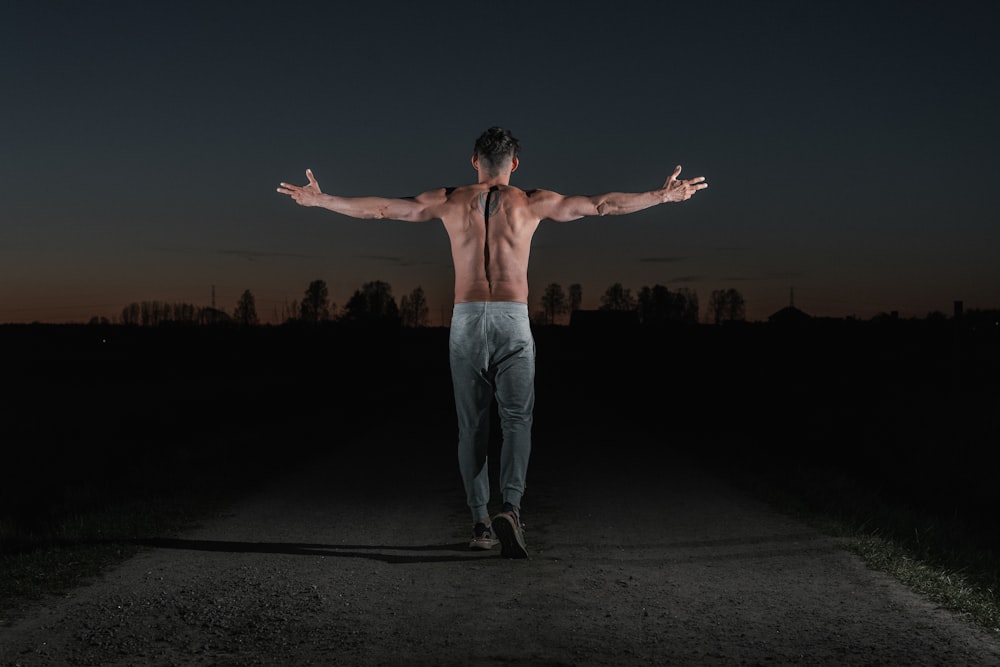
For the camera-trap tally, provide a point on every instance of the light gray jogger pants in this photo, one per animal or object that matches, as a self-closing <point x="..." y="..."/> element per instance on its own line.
<point x="492" y="354"/>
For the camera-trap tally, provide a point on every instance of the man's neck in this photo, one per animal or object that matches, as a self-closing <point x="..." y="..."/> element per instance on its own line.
<point x="499" y="179"/>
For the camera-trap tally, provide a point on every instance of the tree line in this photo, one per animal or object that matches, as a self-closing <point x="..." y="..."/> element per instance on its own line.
<point x="374" y="302"/>
<point x="653" y="305"/>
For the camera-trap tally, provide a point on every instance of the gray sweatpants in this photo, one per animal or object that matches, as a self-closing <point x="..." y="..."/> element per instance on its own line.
<point x="492" y="354"/>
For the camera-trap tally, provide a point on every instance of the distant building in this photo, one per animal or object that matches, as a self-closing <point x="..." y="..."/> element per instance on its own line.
<point x="789" y="315"/>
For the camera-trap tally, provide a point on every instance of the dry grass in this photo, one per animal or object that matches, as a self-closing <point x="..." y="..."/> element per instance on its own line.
<point x="942" y="558"/>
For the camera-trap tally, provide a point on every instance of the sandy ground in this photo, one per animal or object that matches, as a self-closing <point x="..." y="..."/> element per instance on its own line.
<point x="364" y="561"/>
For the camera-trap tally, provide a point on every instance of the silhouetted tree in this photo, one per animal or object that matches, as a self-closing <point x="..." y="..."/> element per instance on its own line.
<point x="690" y="305"/>
<point x="316" y="306"/>
<point x="405" y="311"/>
<point x="156" y="313"/>
<point x="413" y="310"/>
<point x="130" y="314"/>
<point x="554" y="302"/>
<point x="186" y="312"/>
<point x="149" y="313"/>
<point x="575" y="296"/>
<point x="245" y="313"/>
<point x="657" y="305"/>
<point x="373" y="302"/>
<point x="726" y="306"/>
<point x="617" y="297"/>
<point x="180" y="312"/>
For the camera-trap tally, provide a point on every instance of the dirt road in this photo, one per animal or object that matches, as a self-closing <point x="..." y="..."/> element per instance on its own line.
<point x="361" y="559"/>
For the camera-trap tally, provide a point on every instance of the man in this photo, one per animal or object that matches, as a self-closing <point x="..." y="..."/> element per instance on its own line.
<point x="492" y="352"/>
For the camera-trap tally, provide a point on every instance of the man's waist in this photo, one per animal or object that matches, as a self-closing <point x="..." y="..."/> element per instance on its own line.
<point x="490" y="306"/>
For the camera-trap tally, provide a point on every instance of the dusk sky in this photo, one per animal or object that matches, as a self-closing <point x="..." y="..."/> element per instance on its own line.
<point x="851" y="148"/>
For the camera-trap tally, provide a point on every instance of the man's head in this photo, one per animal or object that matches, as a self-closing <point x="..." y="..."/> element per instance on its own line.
<point x="496" y="151"/>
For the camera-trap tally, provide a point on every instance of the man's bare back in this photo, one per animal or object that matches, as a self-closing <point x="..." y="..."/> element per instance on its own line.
<point x="490" y="228"/>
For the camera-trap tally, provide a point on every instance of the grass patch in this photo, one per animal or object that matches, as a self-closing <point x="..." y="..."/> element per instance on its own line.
<point x="948" y="587"/>
<point x="949" y="559"/>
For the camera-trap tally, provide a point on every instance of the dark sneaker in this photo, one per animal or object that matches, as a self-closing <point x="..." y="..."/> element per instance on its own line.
<point x="482" y="537"/>
<point x="507" y="527"/>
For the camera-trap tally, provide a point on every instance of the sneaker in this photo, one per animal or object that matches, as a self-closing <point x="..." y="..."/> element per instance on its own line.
<point x="507" y="527"/>
<point x="482" y="537"/>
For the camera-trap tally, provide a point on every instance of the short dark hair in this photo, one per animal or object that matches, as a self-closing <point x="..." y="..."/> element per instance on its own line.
<point x="495" y="146"/>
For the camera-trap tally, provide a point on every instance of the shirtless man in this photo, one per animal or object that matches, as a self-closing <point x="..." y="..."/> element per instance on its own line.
<point x="491" y="348"/>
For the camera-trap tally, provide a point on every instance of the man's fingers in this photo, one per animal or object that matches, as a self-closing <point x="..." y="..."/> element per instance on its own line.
<point x="312" y="181"/>
<point x="684" y="189"/>
<point x="672" y="179"/>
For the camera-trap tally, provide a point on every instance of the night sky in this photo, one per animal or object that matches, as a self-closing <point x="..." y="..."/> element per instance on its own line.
<point x="851" y="148"/>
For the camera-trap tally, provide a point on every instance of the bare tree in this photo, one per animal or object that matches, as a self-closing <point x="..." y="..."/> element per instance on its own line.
<point x="155" y="313"/>
<point x="316" y="306"/>
<point x="617" y="297"/>
<point x="413" y="310"/>
<point x="554" y="302"/>
<point x="149" y="313"/>
<point x="245" y="313"/>
<point x="183" y="312"/>
<point x="658" y="305"/>
<point x="575" y="296"/>
<point x="655" y="304"/>
<point x="690" y="305"/>
<point x="727" y="306"/>
<point x="130" y="314"/>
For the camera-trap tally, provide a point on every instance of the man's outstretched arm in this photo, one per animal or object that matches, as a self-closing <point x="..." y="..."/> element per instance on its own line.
<point x="565" y="208"/>
<point x="417" y="209"/>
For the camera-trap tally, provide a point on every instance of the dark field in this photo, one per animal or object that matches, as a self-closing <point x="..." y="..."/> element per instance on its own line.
<point x="849" y="415"/>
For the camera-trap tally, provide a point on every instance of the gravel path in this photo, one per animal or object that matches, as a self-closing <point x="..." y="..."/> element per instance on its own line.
<point x="653" y="562"/>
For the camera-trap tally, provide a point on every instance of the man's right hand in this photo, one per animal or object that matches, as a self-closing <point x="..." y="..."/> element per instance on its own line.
<point x="677" y="190"/>
<point x="304" y="195"/>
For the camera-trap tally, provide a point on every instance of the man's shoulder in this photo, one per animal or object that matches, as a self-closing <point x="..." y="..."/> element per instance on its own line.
<point x="538" y="194"/>
<point x="453" y="191"/>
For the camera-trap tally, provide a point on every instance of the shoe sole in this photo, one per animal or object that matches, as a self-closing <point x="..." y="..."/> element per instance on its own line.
<point x="483" y="544"/>
<point x="511" y="539"/>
